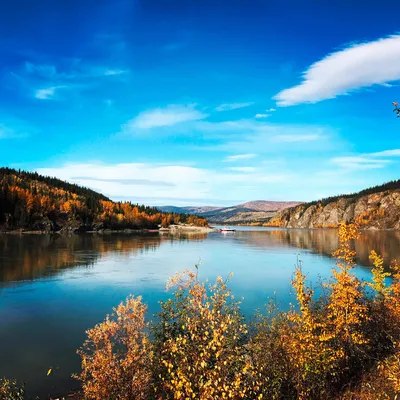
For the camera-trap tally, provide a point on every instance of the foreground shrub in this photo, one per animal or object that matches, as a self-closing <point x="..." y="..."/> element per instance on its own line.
<point x="9" y="390"/>
<point x="344" y="345"/>
<point x="117" y="355"/>
<point x="383" y="381"/>
<point x="271" y="362"/>
<point x="200" y="343"/>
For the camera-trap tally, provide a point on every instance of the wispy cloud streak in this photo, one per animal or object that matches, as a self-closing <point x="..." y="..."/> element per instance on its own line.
<point x="233" y="106"/>
<point x="357" y="66"/>
<point x="162" y="117"/>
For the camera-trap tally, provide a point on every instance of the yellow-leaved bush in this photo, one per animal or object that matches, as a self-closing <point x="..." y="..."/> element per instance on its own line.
<point x="201" y="352"/>
<point x="9" y="390"/>
<point x="117" y="355"/>
<point x="343" y="344"/>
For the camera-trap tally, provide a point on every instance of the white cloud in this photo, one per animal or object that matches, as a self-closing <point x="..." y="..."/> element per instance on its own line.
<point x="236" y="137"/>
<point x="296" y="138"/>
<point x="42" y="70"/>
<point x="357" y="66"/>
<point x="111" y="72"/>
<point x="367" y="160"/>
<point x="73" y="69"/>
<point x="73" y="74"/>
<point x="387" y="153"/>
<point x="161" y="117"/>
<point x="242" y="169"/>
<point x="249" y="136"/>
<point x="271" y="110"/>
<point x="159" y="182"/>
<point x="358" y="162"/>
<point x="238" y="157"/>
<point x="48" y="93"/>
<point x="119" y="180"/>
<point x="263" y="115"/>
<point x="233" y="106"/>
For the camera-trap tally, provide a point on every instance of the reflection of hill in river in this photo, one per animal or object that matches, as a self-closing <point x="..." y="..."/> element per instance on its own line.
<point x="32" y="256"/>
<point x="325" y="241"/>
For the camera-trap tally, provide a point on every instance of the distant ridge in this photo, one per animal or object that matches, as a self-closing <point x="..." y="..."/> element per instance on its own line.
<point x="263" y="205"/>
<point x="187" y="209"/>
<point x="257" y="211"/>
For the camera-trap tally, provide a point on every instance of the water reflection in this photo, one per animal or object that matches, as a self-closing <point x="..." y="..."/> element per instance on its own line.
<point x="34" y="256"/>
<point x="325" y="241"/>
<point x="28" y="257"/>
<point x="53" y="288"/>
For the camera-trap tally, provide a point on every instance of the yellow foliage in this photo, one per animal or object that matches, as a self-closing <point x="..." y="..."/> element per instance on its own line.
<point x="378" y="275"/>
<point x="346" y="309"/>
<point x="117" y="355"/>
<point x="9" y="390"/>
<point x="204" y="358"/>
<point x="310" y="356"/>
<point x="344" y="346"/>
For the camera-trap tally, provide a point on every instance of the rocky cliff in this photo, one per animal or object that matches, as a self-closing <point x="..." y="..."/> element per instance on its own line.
<point x="379" y="210"/>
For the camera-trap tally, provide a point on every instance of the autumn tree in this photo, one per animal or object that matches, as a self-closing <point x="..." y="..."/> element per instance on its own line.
<point x="201" y="336"/>
<point x="28" y="199"/>
<point x="117" y="356"/>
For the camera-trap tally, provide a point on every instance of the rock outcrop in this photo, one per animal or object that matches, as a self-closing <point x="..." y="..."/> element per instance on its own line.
<point x="374" y="211"/>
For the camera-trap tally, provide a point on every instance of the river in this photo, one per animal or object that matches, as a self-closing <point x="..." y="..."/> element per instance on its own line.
<point x="53" y="288"/>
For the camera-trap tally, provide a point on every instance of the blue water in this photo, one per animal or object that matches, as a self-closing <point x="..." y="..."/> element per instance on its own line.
<point x="53" y="288"/>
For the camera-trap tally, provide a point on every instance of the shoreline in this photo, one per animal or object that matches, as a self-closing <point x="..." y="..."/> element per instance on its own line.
<point x="172" y="230"/>
<point x="371" y="228"/>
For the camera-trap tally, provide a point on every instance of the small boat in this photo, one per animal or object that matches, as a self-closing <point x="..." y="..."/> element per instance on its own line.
<point x="225" y="229"/>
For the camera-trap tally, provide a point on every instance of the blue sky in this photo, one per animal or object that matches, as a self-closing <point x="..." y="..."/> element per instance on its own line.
<point x="202" y="102"/>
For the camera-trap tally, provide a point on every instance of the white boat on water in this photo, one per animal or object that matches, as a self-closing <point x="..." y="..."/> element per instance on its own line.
<point x="226" y="229"/>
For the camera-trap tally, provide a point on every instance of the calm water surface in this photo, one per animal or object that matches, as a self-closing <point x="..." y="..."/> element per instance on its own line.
<point x="53" y="288"/>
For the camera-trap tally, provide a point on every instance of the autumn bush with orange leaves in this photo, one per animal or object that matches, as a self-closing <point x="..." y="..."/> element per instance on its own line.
<point x="10" y="390"/>
<point x="345" y="344"/>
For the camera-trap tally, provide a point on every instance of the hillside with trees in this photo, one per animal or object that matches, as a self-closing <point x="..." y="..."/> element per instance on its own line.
<point x="376" y="207"/>
<point x="31" y="202"/>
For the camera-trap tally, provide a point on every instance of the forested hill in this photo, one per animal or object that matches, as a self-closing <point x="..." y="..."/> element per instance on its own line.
<point x="376" y="207"/>
<point x="29" y="201"/>
<point x="53" y="182"/>
<point x="392" y="185"/>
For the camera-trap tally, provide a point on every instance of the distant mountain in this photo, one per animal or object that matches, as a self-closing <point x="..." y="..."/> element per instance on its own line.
<point x="264" y="205"/>
<point x="374" y="208"/>
<point x="251" y="212"/>
<point x="201" y="209"/>
<point x="187" y="210"/>
<point x="174" y="209"/>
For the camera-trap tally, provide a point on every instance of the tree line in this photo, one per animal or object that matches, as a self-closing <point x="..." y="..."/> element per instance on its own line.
<point x="31" y="201"/>
<point x="391" y="185"/>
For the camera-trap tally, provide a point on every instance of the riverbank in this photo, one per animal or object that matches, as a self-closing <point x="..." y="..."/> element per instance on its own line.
<point x="187" y="229"/>
<point x="172" y="229"/>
